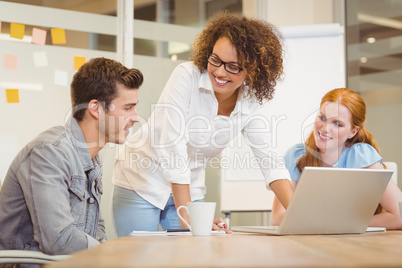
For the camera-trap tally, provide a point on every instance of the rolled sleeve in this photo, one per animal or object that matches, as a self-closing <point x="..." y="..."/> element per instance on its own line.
<point x="100" y="231"/>
<point x="276" y="174"/>
<point x="177" y="176"/>
<point x="270" y="159"/>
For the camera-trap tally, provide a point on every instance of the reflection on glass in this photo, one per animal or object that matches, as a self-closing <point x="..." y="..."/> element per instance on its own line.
<point x="173" y="50"/>
<point x="193" y="13"/>
<point x="374" y="44"/>
<point x="104" y="7"/>
<point x="74" y="39"/>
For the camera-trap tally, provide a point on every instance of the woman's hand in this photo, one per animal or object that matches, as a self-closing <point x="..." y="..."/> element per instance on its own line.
<point x="220" y="225"/>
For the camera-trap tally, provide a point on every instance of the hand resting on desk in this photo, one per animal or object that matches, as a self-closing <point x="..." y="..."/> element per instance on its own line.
<point x="220" y="225"/>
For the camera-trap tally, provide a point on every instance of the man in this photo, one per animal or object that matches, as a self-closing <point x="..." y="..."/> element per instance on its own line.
<point x="50" y="199"/>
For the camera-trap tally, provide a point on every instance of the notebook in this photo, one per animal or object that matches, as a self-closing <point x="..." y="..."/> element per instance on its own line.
<point x="330" y="201"/>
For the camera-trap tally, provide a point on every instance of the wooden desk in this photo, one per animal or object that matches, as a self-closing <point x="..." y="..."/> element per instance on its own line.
<point x="244" y="250"/>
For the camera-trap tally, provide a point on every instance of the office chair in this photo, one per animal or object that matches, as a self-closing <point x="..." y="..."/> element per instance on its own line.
<point x="26" y="256"/>
<point x="393" y="166"/>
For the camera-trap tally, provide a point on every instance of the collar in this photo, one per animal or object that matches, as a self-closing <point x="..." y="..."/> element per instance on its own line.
<point x="242" y="103"/>
<point x="341" y="160"/>
<point x="77" y="139"/>
<point x="205" y="82"/>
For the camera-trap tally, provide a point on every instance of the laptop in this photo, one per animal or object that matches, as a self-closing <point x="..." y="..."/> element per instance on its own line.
<point x="330" y="201"/>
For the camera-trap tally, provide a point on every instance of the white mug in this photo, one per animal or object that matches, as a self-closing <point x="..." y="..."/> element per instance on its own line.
<point x="201" y="217"/>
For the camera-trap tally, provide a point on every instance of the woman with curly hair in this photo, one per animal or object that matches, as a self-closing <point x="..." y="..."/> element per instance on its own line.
<point x="340" y="139"/>
<point x="205" y="104"/>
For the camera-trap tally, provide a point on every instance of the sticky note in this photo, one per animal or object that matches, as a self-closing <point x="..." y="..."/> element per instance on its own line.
<point x="78" y="62"/>
<point x="60" y="77"/>
<point x="38" y="36"/>
<point x="10" y="61"/>
<point x="17" y="30"/>
<point x="40" y="58"/>
<point x="58" y="36"/>
<point x="12" y="96"/>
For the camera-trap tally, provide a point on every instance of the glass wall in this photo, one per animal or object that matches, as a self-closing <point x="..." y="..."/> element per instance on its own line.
<point x="374" y="64"/>
<point x="191" y="13"/>
<point x="374" y="39"/>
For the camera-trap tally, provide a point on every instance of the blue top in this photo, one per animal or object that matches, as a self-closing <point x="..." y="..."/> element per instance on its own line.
<point x="359" y="155"/>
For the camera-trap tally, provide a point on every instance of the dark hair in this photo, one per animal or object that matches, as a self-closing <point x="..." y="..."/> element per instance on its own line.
<point x="258" y="46"/>
<point x="98" y="79"/>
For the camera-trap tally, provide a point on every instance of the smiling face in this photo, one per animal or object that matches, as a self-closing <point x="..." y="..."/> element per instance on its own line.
<point x="223" y="82"/>
<point x="121" y="115"/>
<point x="332" y="127"/>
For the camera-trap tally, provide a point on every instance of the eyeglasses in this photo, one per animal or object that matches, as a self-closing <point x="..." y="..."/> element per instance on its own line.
<point x="230" y="67"/>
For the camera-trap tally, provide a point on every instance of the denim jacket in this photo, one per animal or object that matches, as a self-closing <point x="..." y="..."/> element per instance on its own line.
<point x="50" y="199"/>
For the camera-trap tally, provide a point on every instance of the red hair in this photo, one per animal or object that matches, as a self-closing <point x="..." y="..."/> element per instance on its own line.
<point x="357" y="107"/>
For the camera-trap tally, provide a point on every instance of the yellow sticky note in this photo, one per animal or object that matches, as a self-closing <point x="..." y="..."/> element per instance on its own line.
<point x="12" y="96"/>
<point x="58" y="36"/>
<point x="17" y="30"/>
<point x="78" y="62"/>
<point x="38" y="36"/>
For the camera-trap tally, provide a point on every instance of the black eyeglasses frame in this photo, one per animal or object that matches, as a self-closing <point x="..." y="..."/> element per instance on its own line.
<point x="224" y="64"/>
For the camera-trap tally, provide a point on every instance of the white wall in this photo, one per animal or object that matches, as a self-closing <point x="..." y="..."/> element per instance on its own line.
<point x="385" y="123"/>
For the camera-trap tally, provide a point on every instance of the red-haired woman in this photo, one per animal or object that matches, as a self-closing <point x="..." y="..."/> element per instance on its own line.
<point x="339" y="139"/>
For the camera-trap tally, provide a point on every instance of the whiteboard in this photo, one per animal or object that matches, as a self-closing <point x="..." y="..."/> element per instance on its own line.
<point x="314" y="63"/>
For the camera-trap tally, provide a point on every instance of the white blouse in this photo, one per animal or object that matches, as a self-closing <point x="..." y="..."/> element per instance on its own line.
<point x="184" y="133"/>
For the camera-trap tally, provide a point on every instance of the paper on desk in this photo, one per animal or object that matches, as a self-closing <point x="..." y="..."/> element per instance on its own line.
<point x="164" y="233"/>
<point x="376" y="229"/>
<point x="160" y="233"/>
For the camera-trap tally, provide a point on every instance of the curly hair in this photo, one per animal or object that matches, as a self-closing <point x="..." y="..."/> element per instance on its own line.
<point x="258" y="45"/>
